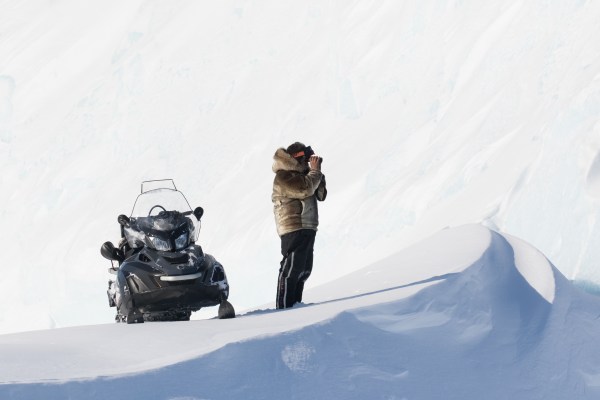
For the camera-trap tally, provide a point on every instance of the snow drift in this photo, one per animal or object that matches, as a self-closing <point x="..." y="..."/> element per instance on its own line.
<point x="467" y="313"/>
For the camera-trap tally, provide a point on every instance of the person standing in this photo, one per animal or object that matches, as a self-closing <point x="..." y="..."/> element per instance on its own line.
<point x="297" y="186"/>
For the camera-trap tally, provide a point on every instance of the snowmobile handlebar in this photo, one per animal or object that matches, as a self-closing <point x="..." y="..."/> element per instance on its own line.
<point x="198" y="212"/>
<point x="123" y="220"/>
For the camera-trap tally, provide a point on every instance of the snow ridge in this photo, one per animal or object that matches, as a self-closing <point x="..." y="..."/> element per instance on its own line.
<point x="483" y="330"/>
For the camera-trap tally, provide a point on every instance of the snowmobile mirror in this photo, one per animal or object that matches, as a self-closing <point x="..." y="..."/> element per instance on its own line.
<point x="198" y="212"/>
<point x="109" y="252"/>
<point x="123" y="220"/>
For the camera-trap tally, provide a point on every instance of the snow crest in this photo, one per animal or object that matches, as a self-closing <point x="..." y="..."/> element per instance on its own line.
<point x="593" y="178"/>
<point x="534" y="267"/>
<point x="493" y="296"/>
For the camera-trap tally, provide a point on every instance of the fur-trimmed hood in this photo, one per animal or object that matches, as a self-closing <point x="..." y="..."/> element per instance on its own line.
<point x="283" y="161"/>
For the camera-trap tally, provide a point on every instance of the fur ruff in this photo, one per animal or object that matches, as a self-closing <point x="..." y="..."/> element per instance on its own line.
<point x="283" y="161"/>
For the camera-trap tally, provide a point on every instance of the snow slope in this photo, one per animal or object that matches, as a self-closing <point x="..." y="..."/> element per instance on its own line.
<point x="490" y="320"/>
<point x="428" y="113"/>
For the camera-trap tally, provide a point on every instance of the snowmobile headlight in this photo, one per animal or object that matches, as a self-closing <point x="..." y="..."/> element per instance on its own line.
<point x="182" y="241"/>
<point x="160" y="245"/>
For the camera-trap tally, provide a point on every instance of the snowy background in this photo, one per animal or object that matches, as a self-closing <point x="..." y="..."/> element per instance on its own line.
<point x="429" y="114"/>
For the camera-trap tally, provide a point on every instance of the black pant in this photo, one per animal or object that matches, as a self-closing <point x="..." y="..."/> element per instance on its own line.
<point x="296" y="266"/>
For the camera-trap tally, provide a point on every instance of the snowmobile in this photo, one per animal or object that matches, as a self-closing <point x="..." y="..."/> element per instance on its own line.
<point x="160" y="273"/>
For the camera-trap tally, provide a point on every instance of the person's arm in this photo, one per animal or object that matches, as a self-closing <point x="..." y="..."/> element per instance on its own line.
<point x="321" y="192"/>
<point x="315" y="164"/>
<point x="298" y="186"/>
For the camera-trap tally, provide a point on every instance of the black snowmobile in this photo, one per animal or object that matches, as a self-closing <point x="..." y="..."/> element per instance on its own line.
<point x="160" y="273"/>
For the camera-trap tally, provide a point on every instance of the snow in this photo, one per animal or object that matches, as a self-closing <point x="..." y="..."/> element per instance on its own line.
<point x="385" y="282"/>
<point x="477" y="329"/>
<point x="593" y="178"/>
<point x="437" y="121"/>
<point x="534" y="267"/>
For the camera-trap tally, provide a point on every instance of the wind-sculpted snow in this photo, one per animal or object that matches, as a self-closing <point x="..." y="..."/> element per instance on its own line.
<point x="491" y="297"/>
<point x="534" y="267"/>
<point x="593" y="178"/>
<point x="505" y="324"/>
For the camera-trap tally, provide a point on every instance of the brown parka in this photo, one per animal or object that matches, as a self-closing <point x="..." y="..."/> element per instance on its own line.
<point x="296" y="190"/>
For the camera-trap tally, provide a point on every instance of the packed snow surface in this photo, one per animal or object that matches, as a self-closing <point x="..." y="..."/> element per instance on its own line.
<point x="437" y="320"/>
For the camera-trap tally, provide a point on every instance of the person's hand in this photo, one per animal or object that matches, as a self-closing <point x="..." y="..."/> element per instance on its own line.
<point x="314" y="162"/>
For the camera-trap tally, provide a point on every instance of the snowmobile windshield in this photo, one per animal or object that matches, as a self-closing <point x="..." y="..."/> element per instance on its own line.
<point x="154" y="201"/>
<point x="162" y="219"/>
